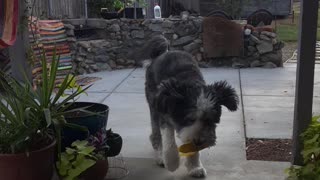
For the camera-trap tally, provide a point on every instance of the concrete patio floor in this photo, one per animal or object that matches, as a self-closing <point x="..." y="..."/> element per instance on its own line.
<point x="266" y="111"/>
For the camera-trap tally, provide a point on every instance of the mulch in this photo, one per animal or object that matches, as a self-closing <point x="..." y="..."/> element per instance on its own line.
<point x="269" y="149"/>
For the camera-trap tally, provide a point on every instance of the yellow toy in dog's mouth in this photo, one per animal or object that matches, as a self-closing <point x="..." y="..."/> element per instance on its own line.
<point x="189" y="149"/>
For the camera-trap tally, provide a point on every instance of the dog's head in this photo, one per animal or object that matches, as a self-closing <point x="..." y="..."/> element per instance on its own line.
<point x="195" y="109"/>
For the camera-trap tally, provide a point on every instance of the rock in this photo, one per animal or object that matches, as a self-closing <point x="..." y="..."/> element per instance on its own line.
<point x="104" y="66"/>
<point x="81" y="71"/>
<point x="79" y="59"/>
<point x="184" y="15"/>
<point x="70" y="32"/>
<point x="264" y="37"/>
<point x="114" y="28"/>
<point x="199" y="41"/>
<point x="190" y="47"/>
<point x="203" y="65"/>
<point x="69" y="26"/>
<point x="89" y="61"/>
<point x="185" y="29"/>
<point x="269" y="34"/>
<point x="99" y="43"/>
<point x="252" y="49"/>
<point x="96" y="23"/>
<point x="175" y="36"/>
<point x="199" y="57"/>
<point x="254" y="39"/>
<point x="256" y="63"/>
<point x="167" y="24"/>
<point x="265" y="47"/>
<point x="94" y="67"/>
<point x="84" y="44"/>
<point x="99" y="51"/>
<point x="112" y="64"/>
<point x="274" y="41"/>
<point x="274" y="57"/>
<point x="183" y="41"/>
<point x="102" y="58"/>
<point x="121" y="61"/>
<point x="130" y="62"/>
<point x="239" y="63"/>
<point x="90" y="56"/>
<point x="279" y="45"/>
<point x="201" y="49"/>
<point x="269" y="65"/>
<point x="137" y="34"/>
<point x="156" y="27"/>
<point x="71" y="39"/>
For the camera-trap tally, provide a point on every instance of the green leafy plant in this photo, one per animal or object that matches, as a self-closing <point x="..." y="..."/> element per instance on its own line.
<point x="96" y="5"/>
<point x="76" y="160"/>
<point x="82" y="155"/>
<point x="311" y="154"/>
<point x="141" y="3"/>
<point x="117" y="5"/>
<point x="29" y="116"/>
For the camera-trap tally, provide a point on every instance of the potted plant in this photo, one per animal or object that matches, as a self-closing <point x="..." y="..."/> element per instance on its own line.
<point x="94" y="118"/>
<point x="114" y="12"/>
<point x="85" y="159"/>
<point x="31" y="122"/>
<point x="114" y="141"/>
<point x="131" y="8"/>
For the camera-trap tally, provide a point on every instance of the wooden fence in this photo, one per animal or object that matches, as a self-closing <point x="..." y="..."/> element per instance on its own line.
<point x="59" y="9"/>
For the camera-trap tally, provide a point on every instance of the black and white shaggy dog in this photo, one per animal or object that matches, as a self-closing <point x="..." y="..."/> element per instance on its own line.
<point x="182" y="103"/>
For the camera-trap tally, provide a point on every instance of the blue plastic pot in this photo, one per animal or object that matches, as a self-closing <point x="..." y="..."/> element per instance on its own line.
<point x="94" y="122"/>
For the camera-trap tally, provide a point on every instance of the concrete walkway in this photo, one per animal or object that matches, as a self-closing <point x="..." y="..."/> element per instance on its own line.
<point x="266" y="111"/>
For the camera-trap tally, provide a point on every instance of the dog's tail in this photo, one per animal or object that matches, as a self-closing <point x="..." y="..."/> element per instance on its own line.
<point x="156" y="46"/>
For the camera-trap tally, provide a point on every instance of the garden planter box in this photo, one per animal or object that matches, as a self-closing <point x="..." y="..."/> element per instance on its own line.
<point x="129" y="13"/>
<point x="38" y="165"/>
<point x="94" y="122"/>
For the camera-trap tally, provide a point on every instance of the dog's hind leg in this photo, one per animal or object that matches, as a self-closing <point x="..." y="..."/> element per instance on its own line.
<point x="155" y="137"/>
<point x="194" y="166"/>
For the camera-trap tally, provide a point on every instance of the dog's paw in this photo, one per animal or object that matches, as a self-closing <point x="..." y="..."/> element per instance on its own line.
<point x="198" y="172"/>
<point x="160" y="162"/>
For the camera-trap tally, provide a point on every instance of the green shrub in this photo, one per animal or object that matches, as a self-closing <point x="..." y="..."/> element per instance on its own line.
<point x="311" y="154"/>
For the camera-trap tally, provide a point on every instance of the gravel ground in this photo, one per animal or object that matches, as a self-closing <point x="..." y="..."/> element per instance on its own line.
<point x="288" y="50"/>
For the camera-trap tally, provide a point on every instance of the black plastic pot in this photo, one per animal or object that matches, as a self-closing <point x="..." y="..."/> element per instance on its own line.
<point x="129" y="13"/>
<point x="94" y="122"/>
<point x="109" y="15"/>
<point x="115" y="144"/>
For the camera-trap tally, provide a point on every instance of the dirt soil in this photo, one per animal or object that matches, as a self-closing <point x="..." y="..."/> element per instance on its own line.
<point x="288" y="50"/>
<point x="269" y="149"/>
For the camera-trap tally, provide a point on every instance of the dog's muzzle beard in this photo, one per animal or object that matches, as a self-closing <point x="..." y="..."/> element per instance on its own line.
<point x="204" y="137"/>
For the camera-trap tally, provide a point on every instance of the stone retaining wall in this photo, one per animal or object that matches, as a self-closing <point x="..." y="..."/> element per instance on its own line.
<point x="117" y="43"/>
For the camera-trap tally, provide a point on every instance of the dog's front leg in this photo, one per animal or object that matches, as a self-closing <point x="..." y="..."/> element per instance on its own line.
<point x="194" y="166"/>
<point x="169" y="149"/>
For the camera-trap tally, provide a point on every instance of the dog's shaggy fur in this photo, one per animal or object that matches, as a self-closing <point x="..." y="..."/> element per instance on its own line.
<point x="181" y="102"/>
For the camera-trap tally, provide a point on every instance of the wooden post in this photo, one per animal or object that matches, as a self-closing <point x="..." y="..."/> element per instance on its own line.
<point x="305" y="74"/>
<point x="18" y="52"/>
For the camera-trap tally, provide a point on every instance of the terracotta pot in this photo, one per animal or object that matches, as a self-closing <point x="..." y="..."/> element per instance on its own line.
<point x="37" y="166"/>
<point x="97" y="171"/>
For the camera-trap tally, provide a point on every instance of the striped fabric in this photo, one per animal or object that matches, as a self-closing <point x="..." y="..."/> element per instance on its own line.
<point x="9" y="12"/>
<point x="47" y="36"/>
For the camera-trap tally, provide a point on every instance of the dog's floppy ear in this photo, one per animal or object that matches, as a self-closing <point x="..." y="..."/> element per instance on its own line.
<point x="168" y="96"/>
<point x="224" y="94"/>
